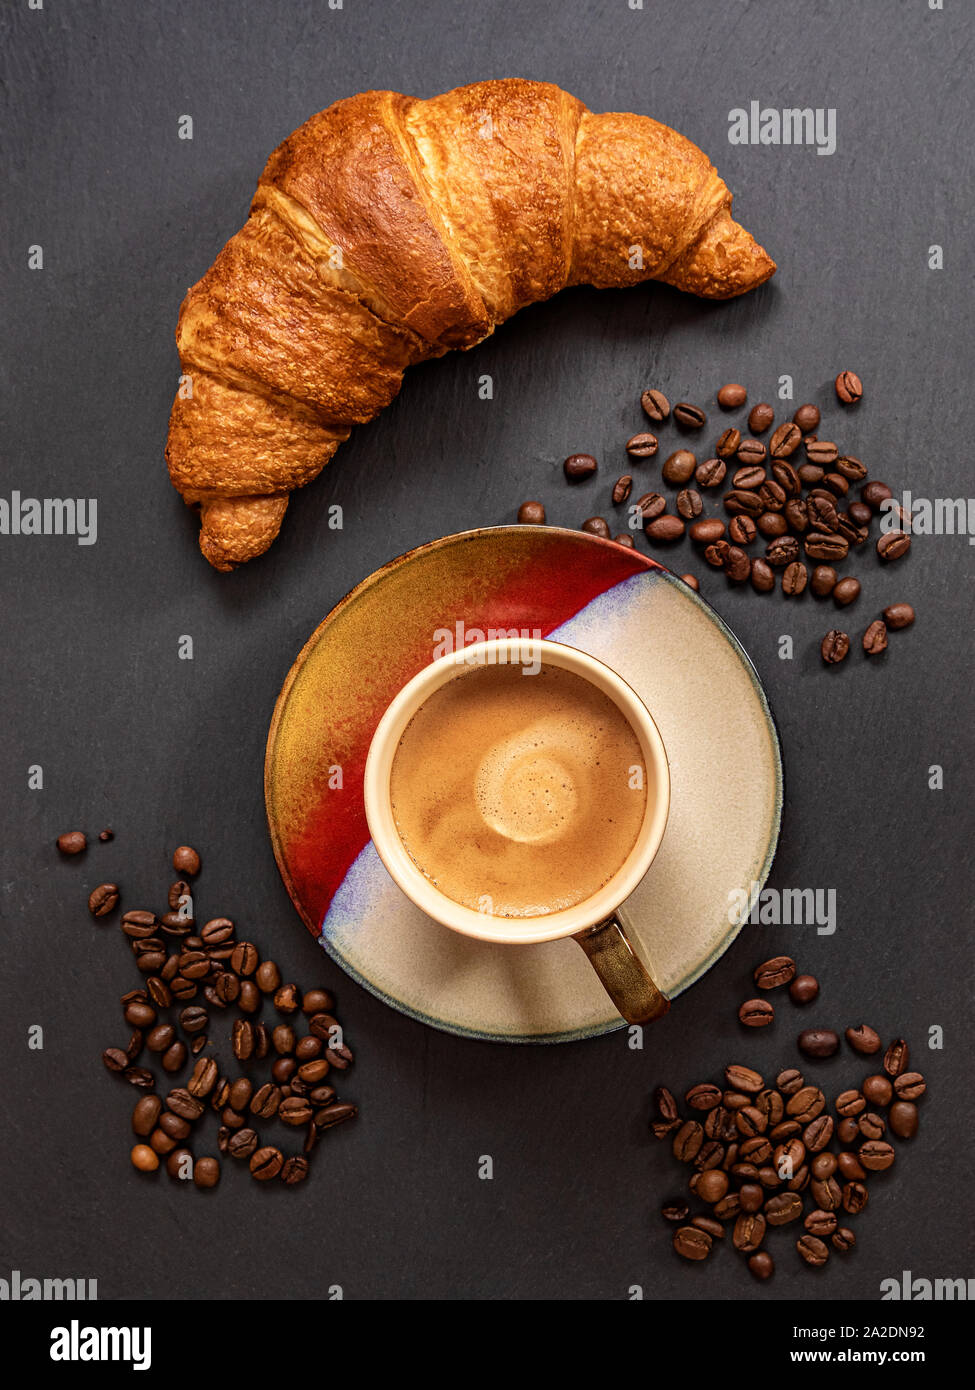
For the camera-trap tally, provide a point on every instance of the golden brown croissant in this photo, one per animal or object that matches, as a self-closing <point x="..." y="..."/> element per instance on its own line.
<point x="387" y="230"/>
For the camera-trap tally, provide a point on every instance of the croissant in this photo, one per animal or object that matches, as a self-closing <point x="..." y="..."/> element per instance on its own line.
<point x="387" y="230"/>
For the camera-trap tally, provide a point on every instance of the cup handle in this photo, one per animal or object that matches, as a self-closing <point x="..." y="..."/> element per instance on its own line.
<point x="621" y="972"/>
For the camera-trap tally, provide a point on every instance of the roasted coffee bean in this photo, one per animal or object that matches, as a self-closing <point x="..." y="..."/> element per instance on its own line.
<point x="712" y="1185"/>
<point x="710" y="1155"/>
<point x="199" y="1043"/>
<point x="855" y="1197"/>
<point x="863" y="1039"/>
<point x="783" y="1208"/>
<point x="875" y="638"/>
<point x="174" y="1125"/>
<point x="846" y="591"/>
<point x="749" y="1231"/>
<point x="751" y="453"/>
<point x="821" y="451"/>
<point x="245" y="958"/>
<point x="203" y="1078"/>
<point x="742" y="530"/>
<point x="333" y="1115"/>
<point x="762" y="576"/>
<point x="143" y="1158"/>
<point x="317" y="1001"/>
<point x="769" y="1178"/>
<point x="750" y="1122"/>
<point x="876" y="1155"/>
<point x="898" y="615"/>
<point x="893" y="544"/>
<point x="691" y="1243"/>
<point x="853" y="535"/>
<point x="679" y="467"/>
<point x="181" y="1103"/>
<point x="850" y="1103"/>
<point x="771" y="1105"/>
<point x="139" y="1076"/>
<point x="818" y="1042"/>
<point x="194" y="1019"/>
<point x="849" y="1167"/>
<point x="820" y="1223"/>
<point x="675" y="1210"/>
<point x="295" y="1110"/>
<point x="807" y="417"/>
<point x="138" y="924"/>
<point x="727" y="445"/>
<point x="909" y="1085"/>
<point x="789" y="1157"/>
<point x="707" y="1223"/>
<point x="160" y="1038"/>
<point x="826" y="1194"/>
<point x="194" y="965"/>
<point x="295" y="1170"/>
<point x="789" y="1081"/>
<point x="622" y="488"/>
<point x="139" y="1014"/>
<point x="710" y="472"/>
<point x="821" y="545"/>
<point x="283" y="1039"/>
<point x="737" y="565"/>
<point x="531" y="514"/>
<point x="266" y="1101"/>
<point x="651" y="505"/>
<point x="728" y="1208"/>
<point x="871" y="1125"/>
<point x="315" y="1071"/>
<point x="760" y="417"/>
<point x="740" y="502"/>
<point x="243" y="1039"/>
<point x="823" y="1165"/>
<point x="761" y="1265"/>
<point x="756" y="1150"/>
<point x="837" y="484"/>
<point x="744" y="1079"/>
<point x="903" y="1119"/>
<point x="691" y="417"/>
<point x="173" y="924"/>
<point x="186" y="860"/>
<point x="785" y="477"/>
<point x="818" y="1133"/>
<point x="794" y="578"/>
<point x="145" y="1115"/>
<point x="785" y="441"/>
<point x="797" y="515"/>
<point x="249" y="998"/>
<point x="642" y="446"/>
<point x="287" y="999"/>
<point x="756" y="1013"/>
<point x="878" y="1090"/>
<point x="772" y="525"/>
<point x="707" y="531"/>
<point x="782" y="552"/>
<point x="860" y="514"/>
<point x="849" y="388"/>
<point x="262" y="1040"/>
<point x="689" y="503"/>
<point x="703" y="1097"/>
<point x="687" y="1141"/>
<point x="665" y="528"/>
<point x="843" y="1239"/>
<point x="717" y="553"/>
<point x="804" y="989"/>
<point x="772" y="496"/>
<point x="720" y="1124"/>
<point x="749" y="478"/>
<point x="665" y="1103"/>
<point x="732" y="396"/>
<point x="834" y="646"/>
<point x="159" y="992"/>
<point x="579" y="466"/>
<point x="72" y="842"/>
<point x="875" y="493"/>
<point x="896" y="1058"/>
<point x="103" y="899"/>
<point x="268" y="977"/>
<point x="655" y="404"/>
<point x="805" y="1104"/>
<point x="594" y="526"/>
<point x="823" y="581"/>
<point x="174" y="1058"/>
<point x="135" y="1046"/>
<point x="847" y="1130"/>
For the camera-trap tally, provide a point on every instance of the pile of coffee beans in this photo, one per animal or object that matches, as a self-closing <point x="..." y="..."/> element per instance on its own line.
<point x="192" y="977"/>
<point x="794" y="493"/>
<point x="773" y="1155"/>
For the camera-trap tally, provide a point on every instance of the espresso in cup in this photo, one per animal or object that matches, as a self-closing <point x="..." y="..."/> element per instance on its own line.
<point x="518" y="791"/>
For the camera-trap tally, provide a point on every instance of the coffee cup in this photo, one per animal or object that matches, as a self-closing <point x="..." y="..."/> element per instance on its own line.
<point x="528" y="794"/>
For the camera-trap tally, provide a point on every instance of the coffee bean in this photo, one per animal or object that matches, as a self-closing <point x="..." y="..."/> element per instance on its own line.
<point x="103" y="899"/>
<point x="821" y="513"/>
<point x="742" y="530"/>
<point x="140" y="1015"/>
<point x="531" y="514"/>
<point x="860" y="515"/>
<point x="194" y="965"/>
<point x="877" y="1090"/>
<point x="823" y="1165"/>
<point x="687" y="1141"/>
<point x="849" y="1167"/>
<point x="146" y="1114"/>
<point x="744" y="1079"/>
<point x="846" y="591"/>
<point x="771" y="1104"/>
<point x="749" y="1231"/>
<point x="579" y="466"/>
<point x="295" y="1170"/>
<point x="760" y="417"/>
<point x="732" y="396"/>
<point x="772" y="525"/>
<point x="741" y="502"/>
<point x="783" y="1208"/>
<point x="818" y="1133"/>
<point x="737" y="565"/>
<point x="898" y="615"/>
<point x="751" y="453"/>
<point x="596" y="526"/>
<point x="712" y="1185"/>
<point x="194" y="1019"/>
<point x="756" y="1013"/>
<point x="651" y="505"/>
<point x="691" y="581"/>
<point x="249" y="998"/>
<point x="72" y="842"/>
<point x="143" y="1158"/>
<point x="761" y="1265"/>
<point x="691" y="1243"/>
<point x="805" y="1104"/>
<point x="655" y="404"/>
<point x="703" y="1097"/>
<point x="186" y="860"/>
<point x="710" y="473"/>
<point x="794" y="578"/>
<point x="782" y="552"/>
<point x="789" y="1081"/>
<point x="820" y="1223"/>
<point x="160" y="1038"/>
<point x="748" y="478"/>
<point x="727" y="445"/>
<point x="847" y="1131"/>
<point x="333" y="1115"/>
<point x="762" y="576"/>
<point x="903" y="1119"/>
<point x="821" y="451"/>
<point x="785" y="441"/>
<point x="720" y="1124"/>
<point x="850" y="1103"/>
<point x="804" y="989"/>
<point x="706" y="531"/>
<point x="843" y="1239"/>
<point x="820" y="545"/>
<point x="876" y="1155"/>
<point x="665" y="1103"/>
<point x="837" y="484"/>
<point x="622" y="488"/>
<point x="818" y="1042"/>
<point x="855" y="1197"/>
<point x="139" y="924"/>
<point x="675" y="1210"/>
<point x="772" y="496"/>
<point x="896" y="1058"/>
<point x="691" y="417"/>
<point x="909" y="1085"/>
<point x="849" y="388"/>
<point x="871" y="1125"/>
<point x="689" y="503"/>
<point x="139" y="1076"/>
<point x="786" y="477"/>
<point x="807" y="417"/>
<point x="823" y="580"/>
<point x="717" y="553"/>
<point x="679" y="467"/>
<point x="827" y="1194"/>
<point x="242" y="1039"/>
<point x="642" y="446"/>
<point x="834" y="646"/>
<point x="875" y="638"/>
<point x="863" y="1039"/>
<point x="893" y="544"/>
<point x="665" y="528"/>
<point x="266" y="1163"/>
<point x="174" y="1058"/>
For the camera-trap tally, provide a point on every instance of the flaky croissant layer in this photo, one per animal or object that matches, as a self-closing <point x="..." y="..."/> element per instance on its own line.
<point x="387" y="230"/>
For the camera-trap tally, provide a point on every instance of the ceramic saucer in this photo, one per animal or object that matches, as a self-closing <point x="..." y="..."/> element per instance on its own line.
<point x="623" y="608"/>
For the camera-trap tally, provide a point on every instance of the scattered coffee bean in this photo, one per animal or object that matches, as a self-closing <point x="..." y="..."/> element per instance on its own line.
<point x="876" y="1155"/>
<point x="843" y="1239"/>
<point x="846" y="591"/>
<point x="760" y="417"/>
<point x="579" y="466"/>
<point x="804" y="989"/>
<point x="726" y="447"/>
<point x="773" y="973"/>
<point x="732" y="396"/>
<point x="818" y="1042"/>
<point x="849" y="388"/>
<point x="742" y="530"/>
<point x="689" y="503"/>
<point x="737" y="565"/>
<point x="898" y="615"/>
<point x="762" y="576"/>
<point x="756" y="1013"/>
<point x="691" y="581"/>
<point x="903" y="1119"/>
<point x="596" y="526"/>
<point x="186" y="861"/>
<point x="794" y="578"/>
<point x="679" y="467"/>
<point x="909" y="1085"/>
<point x="691" y="417"/>
<point x="103" y="899"/>
<point x="692" y="1243"/>
<point x="72" y="842"/>
<point x="893" y="544"/>
<point x="642" y="446"/>
<point x="896" y="1058"/>
<point x="875" y="638"/>
<point x="665" y="528"/>
<point x="655" y="404"/>
<point x="622" y="489"/>
<point x="651" y="506"/>
<point x="785" y="441"/>
<point x="834" y="646"/>
<point x="761" y="1265"/>
<point x="812" y="1250"/>
<point x="807" y="417"/>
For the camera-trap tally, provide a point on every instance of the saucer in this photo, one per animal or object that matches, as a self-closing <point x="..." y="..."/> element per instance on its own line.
<point x="620" y="606"/>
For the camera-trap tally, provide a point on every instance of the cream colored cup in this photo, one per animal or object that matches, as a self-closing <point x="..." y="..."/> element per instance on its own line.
<point x="592" y="923"/>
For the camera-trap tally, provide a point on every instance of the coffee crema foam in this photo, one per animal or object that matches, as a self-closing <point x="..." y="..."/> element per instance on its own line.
<point x="516" y="794"/>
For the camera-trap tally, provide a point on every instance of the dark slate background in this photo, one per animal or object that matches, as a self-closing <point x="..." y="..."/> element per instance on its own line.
<point x="168" y="751"/>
